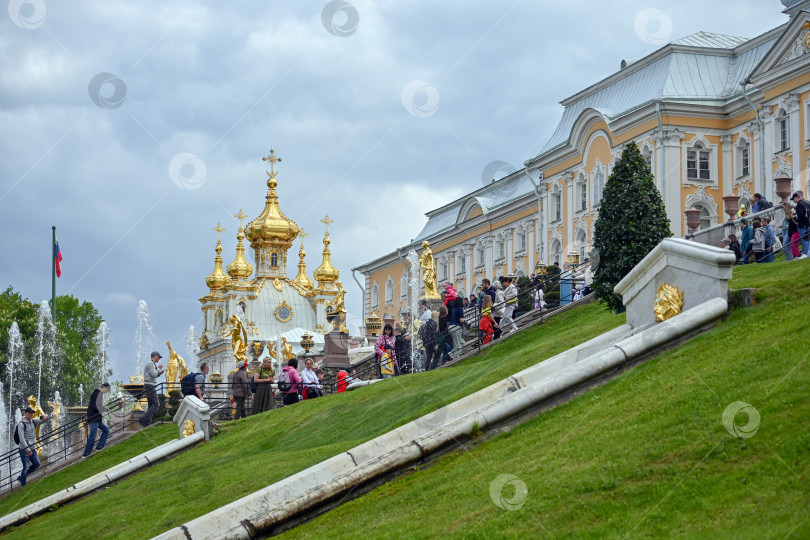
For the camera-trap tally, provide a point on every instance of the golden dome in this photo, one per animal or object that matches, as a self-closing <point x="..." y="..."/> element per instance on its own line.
<point x="326" y="274"/>
<point x="240" y="269"/>
<point x="302" y="280"/>
<point x="218" y="279"/>
<point x="272" y="227"/>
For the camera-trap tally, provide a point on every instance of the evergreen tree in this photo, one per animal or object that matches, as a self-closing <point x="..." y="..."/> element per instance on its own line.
<point x="632" y="221"/>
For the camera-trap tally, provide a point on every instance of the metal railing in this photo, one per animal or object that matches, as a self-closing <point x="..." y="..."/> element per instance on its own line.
<point x="69" y="438"/>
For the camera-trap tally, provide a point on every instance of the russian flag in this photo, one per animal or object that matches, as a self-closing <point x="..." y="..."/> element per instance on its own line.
<point x="57" y="257"/>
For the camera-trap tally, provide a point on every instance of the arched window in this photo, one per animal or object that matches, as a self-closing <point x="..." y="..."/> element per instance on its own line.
<point x="705" y="216"/>
<point x="598" y="183"/>
<point x="556" y="252"/>
<point x="274" y="259"/>
<point x="743" y="158"/>
<point x="243" y="306"/>
<point x="403" y="285"/>
<point x="782" y="130"/>
<point x="697" y="162"/>
<point x="582" y="192"/>
<point x="389" y="291"/>
<point x="556" y="203"/>
<point x="581" y="244"/>
<point x="375" y="296"/>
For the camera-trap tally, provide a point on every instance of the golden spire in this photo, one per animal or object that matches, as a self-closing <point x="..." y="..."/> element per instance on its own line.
<point x="302" y="280"/>
<point x="240" y="270"/>
<point x="218" y="279"/>
<point x="272" y="229"/>
<point x="326" y="274"/>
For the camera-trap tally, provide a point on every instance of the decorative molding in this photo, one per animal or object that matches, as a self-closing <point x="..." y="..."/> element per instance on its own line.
<point x="782" y="167"/>
<point x="800" y="47"/>
<point x="284" y="312"/>
<point x="556" y="234"/>
<point x="701" y="197"/>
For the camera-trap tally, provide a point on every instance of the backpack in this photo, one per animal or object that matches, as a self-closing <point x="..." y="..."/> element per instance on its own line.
<point x="253" y="385"/>
<point x="187" y="384"/>
<point x="17" y="433"/>
<point x="284" y="381"/>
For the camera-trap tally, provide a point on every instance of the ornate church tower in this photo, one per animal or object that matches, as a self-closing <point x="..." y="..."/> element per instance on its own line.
<point x="272" y="233"/>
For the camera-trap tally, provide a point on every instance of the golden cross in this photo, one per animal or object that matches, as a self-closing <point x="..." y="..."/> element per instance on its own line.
<point x="303" y="235"/>
<point x="272" y="159"/>
<point x="219" y="228"/>
<point x="326" y="221"/>
<point x="240" y="216"/>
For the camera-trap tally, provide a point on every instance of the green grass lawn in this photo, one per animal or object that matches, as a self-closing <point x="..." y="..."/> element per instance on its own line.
<point x="263" y="449"/>
<point x="646" y="455"/>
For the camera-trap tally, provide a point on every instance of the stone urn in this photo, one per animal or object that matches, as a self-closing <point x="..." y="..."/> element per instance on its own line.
<point x="783" y="187"/>
<point x="731" y="205"/>
<point x="692" y="219"/>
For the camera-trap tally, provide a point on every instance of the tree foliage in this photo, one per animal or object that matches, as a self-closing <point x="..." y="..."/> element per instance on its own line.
<point x="76" y="325"/>
<point x="632" y="221"/>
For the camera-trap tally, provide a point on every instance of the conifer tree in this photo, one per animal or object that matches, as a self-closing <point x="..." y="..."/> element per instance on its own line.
<point x="632" y="221"/>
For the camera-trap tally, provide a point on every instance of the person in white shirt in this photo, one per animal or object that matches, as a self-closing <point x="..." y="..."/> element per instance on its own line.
<point x="309" y="378"/>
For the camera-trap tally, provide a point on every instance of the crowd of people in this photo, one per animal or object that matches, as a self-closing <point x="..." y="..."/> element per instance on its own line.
<point x="760" y="241"/>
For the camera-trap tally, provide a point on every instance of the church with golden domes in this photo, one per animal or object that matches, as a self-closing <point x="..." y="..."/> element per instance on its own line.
<point x="270" y="305"/>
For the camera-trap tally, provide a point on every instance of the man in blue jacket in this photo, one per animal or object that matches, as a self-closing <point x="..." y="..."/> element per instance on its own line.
<point x="95" y="418"/>
<point x="745" y="243"/>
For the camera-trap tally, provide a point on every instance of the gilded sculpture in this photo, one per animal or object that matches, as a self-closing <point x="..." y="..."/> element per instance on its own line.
<point x="668" y="302"/>
<point x="286" y="350"/>
<point x="238" y="339"/>
<point x="176" y="369"/>
<point x="428" y="266"/>
<point x="56" y="413"/>
<point x="188" y="428"/>
<point x="337" y="307"/>
<point x="32" y="402"/>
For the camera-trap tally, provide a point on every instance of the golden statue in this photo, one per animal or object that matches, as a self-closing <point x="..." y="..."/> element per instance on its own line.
<point x="238" y="339"/>
<point x="32" y="402"/>
<point x="56" y="413"/>
<point x="668" y="302"/>
<point x="428" y="266"/>
<point x="338" y="305"/>
<point x="286" y="350"/>
<point x="188" y="428"/>
<point x="176" y="369"/>
<point x="271" y="350"/>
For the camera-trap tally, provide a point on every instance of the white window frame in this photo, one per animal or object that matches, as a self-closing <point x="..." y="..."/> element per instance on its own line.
<point x="522" y="240"/>
<point x="403" y="286"/>
<point x="598" y="182"/>
<point x="389" y="291"/>
<point x="555" y="254"/>
<point x="556" y="204"/>
<point x="375" y="296"/>
<point x="807" y="123"/>
<point x="582" y="193"/>
<point x="743" y="151"/>
<point x="782" y="131"/>
<point x="704" y="154"/>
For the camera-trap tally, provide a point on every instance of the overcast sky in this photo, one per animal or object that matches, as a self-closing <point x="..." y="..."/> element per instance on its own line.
<point x="135" y="127"/>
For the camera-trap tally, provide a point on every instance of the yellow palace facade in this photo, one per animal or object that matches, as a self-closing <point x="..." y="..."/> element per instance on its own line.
<point x="713" y="115"/>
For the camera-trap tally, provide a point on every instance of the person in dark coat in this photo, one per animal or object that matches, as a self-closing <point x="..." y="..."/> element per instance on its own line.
<point x="241" y="390"/>
<point x="95" y="418"/>
<point x="402" y="351"/>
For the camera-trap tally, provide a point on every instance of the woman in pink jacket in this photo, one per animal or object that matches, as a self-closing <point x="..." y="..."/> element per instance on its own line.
<point x="291" y="395"/>
<point x="387" y="338"/>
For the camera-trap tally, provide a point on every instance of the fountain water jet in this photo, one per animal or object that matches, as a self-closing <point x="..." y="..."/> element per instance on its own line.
<point x="144" y="337"/>
<point x="15" y="353"/>
<point x="46" y="352"/>
<point x="101" y="363"/>
<point x="413" y="261"/>
<point x="192" y="344"/>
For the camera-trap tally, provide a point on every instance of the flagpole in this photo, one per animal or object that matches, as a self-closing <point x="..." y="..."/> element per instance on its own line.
<point x="53" y="274"/>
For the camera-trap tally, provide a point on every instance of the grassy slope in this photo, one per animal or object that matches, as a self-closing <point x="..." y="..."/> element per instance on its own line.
<point x="646" y="455"/>
<point x="262" y="449"/>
